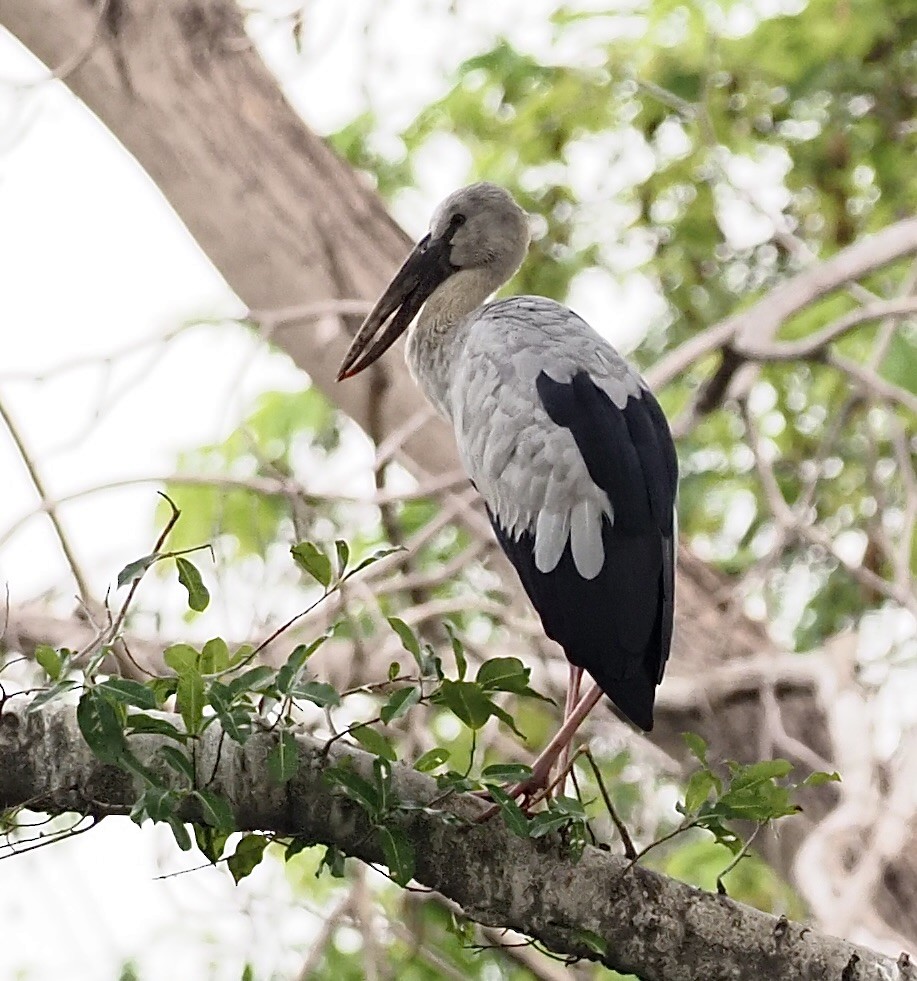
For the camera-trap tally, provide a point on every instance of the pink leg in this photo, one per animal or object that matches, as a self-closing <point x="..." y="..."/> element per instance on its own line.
<point x="576" y="675"/>
<point x="541" y="768"/>
<point x="573" y="686"/>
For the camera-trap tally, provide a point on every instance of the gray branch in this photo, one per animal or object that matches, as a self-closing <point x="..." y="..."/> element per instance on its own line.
<point x="651" y="925"/>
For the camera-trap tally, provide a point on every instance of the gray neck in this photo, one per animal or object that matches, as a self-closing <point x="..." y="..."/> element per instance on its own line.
<point x="436" y="340"/>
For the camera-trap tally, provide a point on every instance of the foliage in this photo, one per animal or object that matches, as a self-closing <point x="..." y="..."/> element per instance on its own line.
<point x="700" y="151"/>
<point x="213" y="684"/>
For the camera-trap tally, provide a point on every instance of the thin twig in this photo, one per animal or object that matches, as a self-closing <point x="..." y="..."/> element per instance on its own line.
<point x="38" y="484"/>
<point x="743" y="851"/>
<point x="629" y="850"/>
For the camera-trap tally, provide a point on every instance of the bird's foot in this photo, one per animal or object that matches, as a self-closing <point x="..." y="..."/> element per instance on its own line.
<point x="537" y="787"/>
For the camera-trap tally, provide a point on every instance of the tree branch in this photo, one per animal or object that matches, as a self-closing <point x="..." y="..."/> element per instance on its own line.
<point x="794" y="294"/>
<point x="658" y="927"/>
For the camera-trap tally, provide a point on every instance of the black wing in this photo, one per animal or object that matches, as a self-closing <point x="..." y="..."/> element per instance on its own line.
<point x="617" y="626"/>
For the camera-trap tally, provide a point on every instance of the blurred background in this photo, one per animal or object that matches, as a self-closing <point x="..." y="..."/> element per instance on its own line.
<point x="679" y="161"/>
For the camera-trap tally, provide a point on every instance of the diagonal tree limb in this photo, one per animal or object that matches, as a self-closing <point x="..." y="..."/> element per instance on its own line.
<point x="759" y="323"/>
<point x="647" y="923"/>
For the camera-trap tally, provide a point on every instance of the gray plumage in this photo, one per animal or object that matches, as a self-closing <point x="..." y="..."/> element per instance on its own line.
<point x="528" y="469"/>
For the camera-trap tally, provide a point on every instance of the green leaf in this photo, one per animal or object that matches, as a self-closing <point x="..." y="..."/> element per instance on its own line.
<point x="210" y="842"/>
<point x="503" y="674"/>
<point x="49" y="660"/>
<point x="399" y="703"/>
<point x="182" y="658"/>
<point x="696" y="746"/>
<point x="319" y="693"/>
<point x="545" y="822"/>
<point x="333" y="861"/>
<point x="237" y="723"/>
<point x="129" y="692"/>
<point x="595" y="943"/>
<point x="399" y="854"/>
<point x="189" y="576"/>
<point x="155" y="804"/>
<point x="138" y="722"/>
<point x="458" y="652"/>
<point x="766" y="771"/>
<point x="129" y="762"/>
<point x="101" y="726"/>
<point x="900" y="363"/>
<point x="698" y="790"/>
<point x="295" y="846"/>
<point x="375" y="557"/>
<point x="342" y="551"/>
<point x="180" y="833"/>
<point x="247" y="856"/>
<point x="820" y="777"/>
<point x="283" y="759"/>
<point x="506" y="719"/>
<point x="373" y="741"/>
<point x="456" y="782"/>
<point x="214" y="656"/>
<point x="354" y="786"/>
<point x="408" y="639"/>
<point x="432" y="759"/>
<point x="313" y="561"/>
<point x="394" y="669"/>
<point x="257" y="679"/>
<point x="289" y="674"/>
<point x="216" y="810"/>
<point x="177" y="760"/>
<point x="236" y="719"/>
<point x="55" y="691"/>
<point x="134" y="570"/>
<point x="513" y="815"/>
<point x="507" y="772"/>
<point x="189" y="700"/>
<point x="466" y="700"/>
<point x="240" y="654"/>
<point x="569" y="806"/>
<point x="162" y="688"/>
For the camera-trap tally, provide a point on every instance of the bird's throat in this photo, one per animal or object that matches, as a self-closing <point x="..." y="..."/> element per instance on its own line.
<point x="454" y="299"/>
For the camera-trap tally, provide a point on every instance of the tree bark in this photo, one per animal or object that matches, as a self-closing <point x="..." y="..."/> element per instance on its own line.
<point x="287" y="223"/>
<point x="646" y="923"/>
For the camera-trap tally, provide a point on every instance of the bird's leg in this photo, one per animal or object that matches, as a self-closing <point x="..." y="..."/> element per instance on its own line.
<point x="534" y="786"/>
<point x="541" y="768"/>
<point x="573" y="685"/>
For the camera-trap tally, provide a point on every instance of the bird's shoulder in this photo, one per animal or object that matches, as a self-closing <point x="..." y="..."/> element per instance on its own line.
<point x="524" y="336"/>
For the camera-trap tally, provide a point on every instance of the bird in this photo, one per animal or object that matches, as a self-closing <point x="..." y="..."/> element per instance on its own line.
<point x="562" y="438"/>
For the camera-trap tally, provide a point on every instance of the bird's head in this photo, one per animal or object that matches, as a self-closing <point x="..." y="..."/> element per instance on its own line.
<point x="478" y="228"/>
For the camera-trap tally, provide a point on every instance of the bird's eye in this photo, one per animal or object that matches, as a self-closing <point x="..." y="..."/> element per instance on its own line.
<point x="457" y="221"/>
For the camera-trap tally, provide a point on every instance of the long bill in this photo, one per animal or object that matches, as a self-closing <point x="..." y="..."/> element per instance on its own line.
<point x="424" y="269"/>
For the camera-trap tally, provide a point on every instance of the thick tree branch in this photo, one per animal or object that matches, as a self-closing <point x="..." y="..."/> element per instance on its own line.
<point x="657" y="927"/>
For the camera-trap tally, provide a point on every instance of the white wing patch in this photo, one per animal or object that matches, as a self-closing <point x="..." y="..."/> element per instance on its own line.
<point x="586" y="539"/>
<point x="551" y="533"/>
